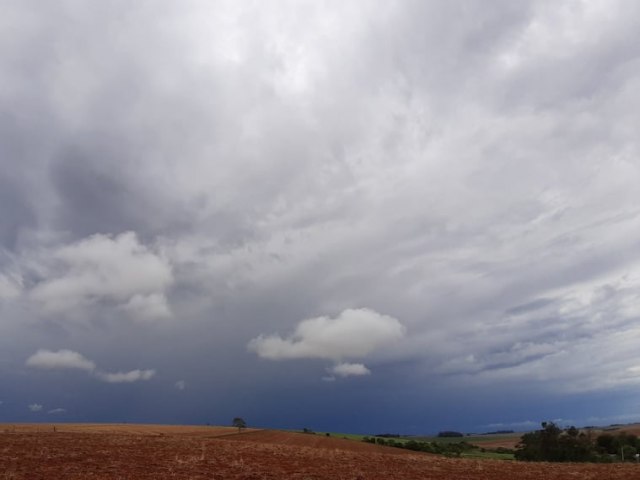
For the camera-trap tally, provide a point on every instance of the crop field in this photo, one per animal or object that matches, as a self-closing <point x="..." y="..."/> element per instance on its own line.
<point x="136" y="452"/>
<point x="490" y="441"/>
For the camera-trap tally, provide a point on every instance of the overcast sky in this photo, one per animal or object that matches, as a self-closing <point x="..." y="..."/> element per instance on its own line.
<point x="364" y="216"/>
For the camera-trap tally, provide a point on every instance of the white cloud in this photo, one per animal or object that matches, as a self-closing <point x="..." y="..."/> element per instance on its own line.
<point x="35" y="407"/>
<point x="148" y="307"/>
<point x="61" y="359"/>
<point x="116" y="269"/>
<point x="68" y="359"/>
<point x="352" y="334"/>
<point x="180" y="384"/>
<point x="126" y="377"/>
<point x="590" y="345"/>
<point x="350" y="369"/>
<point x="56" y="411"/>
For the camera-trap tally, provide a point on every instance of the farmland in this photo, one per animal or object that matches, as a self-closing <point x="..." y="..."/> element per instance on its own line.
<point x="137" y="452"/>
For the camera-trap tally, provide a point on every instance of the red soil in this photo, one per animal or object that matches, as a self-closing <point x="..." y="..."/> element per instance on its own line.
<point x="158" y="452"/>
<point x="510" y="442"/>
<point x="277" y="437"/>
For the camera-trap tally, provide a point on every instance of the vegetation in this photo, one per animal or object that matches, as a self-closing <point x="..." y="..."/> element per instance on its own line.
<point x="239" y="423"/>
<point x="449" y="449"/>
<point x="553" y="444"/>
<point x="449" y="433"/>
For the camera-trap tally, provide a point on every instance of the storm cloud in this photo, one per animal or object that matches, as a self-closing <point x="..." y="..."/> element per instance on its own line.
<point x="432" y="202"/>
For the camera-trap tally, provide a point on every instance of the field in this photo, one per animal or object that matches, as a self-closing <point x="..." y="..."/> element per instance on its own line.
<point x="508" y="440"/>
<point x="137" y="452"/>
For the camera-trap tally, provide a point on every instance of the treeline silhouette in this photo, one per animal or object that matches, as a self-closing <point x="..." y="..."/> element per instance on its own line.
<point x="554" y="444"/>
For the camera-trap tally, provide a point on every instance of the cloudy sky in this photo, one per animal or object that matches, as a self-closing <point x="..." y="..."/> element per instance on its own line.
<point x="360" y="216"/>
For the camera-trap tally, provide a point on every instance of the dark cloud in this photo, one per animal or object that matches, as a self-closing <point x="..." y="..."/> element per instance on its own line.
<point x="179" y="179"/>
<point x="93" y="197"/>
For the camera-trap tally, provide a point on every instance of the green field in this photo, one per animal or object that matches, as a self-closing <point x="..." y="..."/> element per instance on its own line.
<point x="488" y="455"/>
<point x="474" y="439"/>
<point x="476" y="452"/>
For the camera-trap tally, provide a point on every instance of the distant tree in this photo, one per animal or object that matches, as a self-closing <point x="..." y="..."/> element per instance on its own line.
<point x="239" y="423"/>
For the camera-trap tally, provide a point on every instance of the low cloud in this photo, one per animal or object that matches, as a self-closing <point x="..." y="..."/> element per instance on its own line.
<point x="56" y="411"/>
<point x="126" y="377"/>
<point x="62" y="359"/>
<point x="148" y="307"/>
<point x="181" y="385"/>
<point x="350" y="369"/>
<point x="354" y="333"/>
<point x="68" y="359"/>
<point x="118" y="270"/>
<point x="35" y="407"/>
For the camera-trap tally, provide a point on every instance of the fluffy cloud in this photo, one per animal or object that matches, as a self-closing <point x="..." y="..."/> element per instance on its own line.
<point x="127" y="377"/>
<point x="117" y="270"/>
<point x="61" y="359"/>
<point x="68" y="359"/>
<point x="350" y="369"/>
<point x="35" y="407"/>
<point x="180" y="384"/>
<point x="148" y="307"/>
<point x="354" y="333"/>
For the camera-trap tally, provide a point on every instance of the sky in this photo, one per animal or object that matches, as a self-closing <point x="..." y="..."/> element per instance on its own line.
<point x="358" y="216"/>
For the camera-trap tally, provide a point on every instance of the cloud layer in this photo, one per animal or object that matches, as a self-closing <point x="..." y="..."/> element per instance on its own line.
<point x="180" y="180"/>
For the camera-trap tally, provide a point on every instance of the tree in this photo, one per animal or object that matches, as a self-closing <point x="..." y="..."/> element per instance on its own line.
<point x="552" y="444"/>
<point x="239" y="423"/>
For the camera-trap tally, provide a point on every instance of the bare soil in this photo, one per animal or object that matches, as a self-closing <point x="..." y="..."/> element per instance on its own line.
<point x="137" y="452"/>
<point x="504" y="442"/>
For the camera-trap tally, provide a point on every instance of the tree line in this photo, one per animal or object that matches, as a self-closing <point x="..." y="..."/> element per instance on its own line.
<point x="447" y="449"/>
<point x="554" y="444"/>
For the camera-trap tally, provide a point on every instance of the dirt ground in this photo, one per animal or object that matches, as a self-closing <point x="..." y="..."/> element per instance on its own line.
<point x="135" y="452"/>
<point x="507" y="442"/>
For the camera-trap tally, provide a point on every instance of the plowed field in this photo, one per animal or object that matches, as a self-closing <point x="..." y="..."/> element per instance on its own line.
<point x="158" y="452"/>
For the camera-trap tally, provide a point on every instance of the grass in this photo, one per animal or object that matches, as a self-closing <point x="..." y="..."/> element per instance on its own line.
<point x="348" y="436"/>
<point x="477" y="454"/>
<point x="474" y="439"/>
